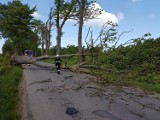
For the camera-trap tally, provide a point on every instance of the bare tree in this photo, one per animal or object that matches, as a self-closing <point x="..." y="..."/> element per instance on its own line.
<point x="108" y="38"/>
<point x="86" y="10"/>
<point x="42" y="38"/>
<point x="48" y="29"/>
<point x="81" y="14"/>
<point x="62" y="13"/>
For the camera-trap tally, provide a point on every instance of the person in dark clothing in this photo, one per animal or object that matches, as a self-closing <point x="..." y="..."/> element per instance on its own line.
<point x="58" y="63"/>
<point x="29" y="54"/>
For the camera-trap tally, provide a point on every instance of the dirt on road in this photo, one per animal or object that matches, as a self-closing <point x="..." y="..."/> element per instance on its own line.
<point x="47" y="95"/>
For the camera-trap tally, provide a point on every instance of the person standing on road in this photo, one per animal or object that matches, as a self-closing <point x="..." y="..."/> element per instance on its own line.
<point x="29" y="54"/>
<point x="58" y="63"/>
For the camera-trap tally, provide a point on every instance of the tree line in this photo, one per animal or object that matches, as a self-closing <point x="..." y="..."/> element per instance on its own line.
<point x="23" y="31"/>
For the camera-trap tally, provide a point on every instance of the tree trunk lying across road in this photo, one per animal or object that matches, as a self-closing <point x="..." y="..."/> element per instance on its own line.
<point x="36" y="60"/>
<point x="27" y="60"/>
<point x="33" y="60"/>
<point x="16" y="59"/>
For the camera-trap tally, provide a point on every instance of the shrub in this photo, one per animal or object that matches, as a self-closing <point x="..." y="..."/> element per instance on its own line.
<point x="5" y="65"/>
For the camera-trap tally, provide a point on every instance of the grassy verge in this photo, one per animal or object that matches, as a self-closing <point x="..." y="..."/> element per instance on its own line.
<point x="148" y="83"/>
<point x="9" y="94"/>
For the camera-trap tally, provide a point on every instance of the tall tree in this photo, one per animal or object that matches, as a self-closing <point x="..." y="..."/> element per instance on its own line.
<point x="42" y="37"/>
<point x="16" y="23"/>
<point x="81" y="15"/>
<point x="48" y="29"/>
<point x="85" y="11"/>
<point x="62" y="13"/>
<point x="36" y="36"/>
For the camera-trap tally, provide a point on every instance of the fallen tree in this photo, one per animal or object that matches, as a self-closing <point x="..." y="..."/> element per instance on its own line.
<point x="34" y="60"/>
<point x="16" y="59"/>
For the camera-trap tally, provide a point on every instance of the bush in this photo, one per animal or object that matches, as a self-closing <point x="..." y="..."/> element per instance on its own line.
<point x="5" y="65"/>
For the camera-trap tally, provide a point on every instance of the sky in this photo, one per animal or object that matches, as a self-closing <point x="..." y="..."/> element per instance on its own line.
<point x="137" y="16"/>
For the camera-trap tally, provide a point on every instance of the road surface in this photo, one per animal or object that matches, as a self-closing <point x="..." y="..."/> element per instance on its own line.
<point x="47" y="95"/>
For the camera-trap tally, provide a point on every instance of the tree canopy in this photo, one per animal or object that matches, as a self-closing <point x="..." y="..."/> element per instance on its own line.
<point x="16" y="23"/>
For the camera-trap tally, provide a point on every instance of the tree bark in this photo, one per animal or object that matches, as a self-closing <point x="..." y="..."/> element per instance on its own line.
<point x="82" y="6"/>
<point x="26" y="60"/>
<point x="59" y="33"/>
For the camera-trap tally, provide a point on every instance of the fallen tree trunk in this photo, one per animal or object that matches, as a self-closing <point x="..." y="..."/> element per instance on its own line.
<point x="16" y="59"/>
<point x="23" y="60"/>
<point x="62" y="56"/>
<point x="34" y="61"/>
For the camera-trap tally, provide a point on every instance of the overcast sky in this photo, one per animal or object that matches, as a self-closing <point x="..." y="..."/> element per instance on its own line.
<point x="140" y="16"/>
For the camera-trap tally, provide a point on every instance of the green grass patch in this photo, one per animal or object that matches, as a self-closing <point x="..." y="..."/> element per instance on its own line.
<point x="66" y="61"/>
<point x="149" y="83"/>
<point x="145" y="86"/>
<point x="49" y="60"/>
<point x="9" y="94"/>
<point x="70" y="61"/>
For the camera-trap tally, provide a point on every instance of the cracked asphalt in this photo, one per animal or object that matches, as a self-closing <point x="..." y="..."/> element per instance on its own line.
<point x="46" y="95"/>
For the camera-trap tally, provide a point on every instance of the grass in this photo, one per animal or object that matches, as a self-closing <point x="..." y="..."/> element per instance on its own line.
<point x="145" y="86"/>
<point x="49" y="61"/>
<point x="119" y="79"/>
<point x="65" y="61"/>
<point x="9" y="94"/>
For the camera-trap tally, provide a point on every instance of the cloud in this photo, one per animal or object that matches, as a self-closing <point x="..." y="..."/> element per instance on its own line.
<point x="103" y="18"/>
<point x="120" y="16"/>
<point x="36" y="15"/>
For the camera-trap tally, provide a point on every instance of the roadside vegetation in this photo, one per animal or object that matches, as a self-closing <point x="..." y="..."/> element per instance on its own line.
<point x="10" y="77"/>
<point x="135" y="64"/>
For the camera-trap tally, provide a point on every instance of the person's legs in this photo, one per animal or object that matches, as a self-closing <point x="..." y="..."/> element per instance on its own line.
<point x="58" y="68"/>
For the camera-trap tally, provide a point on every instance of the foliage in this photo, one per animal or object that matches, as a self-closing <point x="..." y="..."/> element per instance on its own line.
<point x="9" y="81"/>
<point x="16" y="22"/>
<point x="70" y="49"/>
<point x="9" y="94"/>
<point x="8" y="47"/>
<point x="52" y="50"/>
<point x="135" y="64"/>
<point x="143" y="56"/>
<point x="5" y="65"/>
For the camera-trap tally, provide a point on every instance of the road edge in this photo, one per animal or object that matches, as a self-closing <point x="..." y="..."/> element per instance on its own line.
<point x="24" y="111"/>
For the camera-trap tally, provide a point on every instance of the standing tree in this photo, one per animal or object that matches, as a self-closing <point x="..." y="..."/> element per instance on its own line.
<point x="81" y="5"/>
<point x="85" y="10"/>
<point x="42" y="32"/>
<point x="36" y="36"/>
<point x="16" y="23"/>
<point x="79" y="10"/>
<point x="48" y="30"/>
<point x="62" y="13"/>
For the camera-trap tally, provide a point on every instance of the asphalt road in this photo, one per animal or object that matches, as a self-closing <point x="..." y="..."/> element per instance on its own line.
<point x="47" y="95"/>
